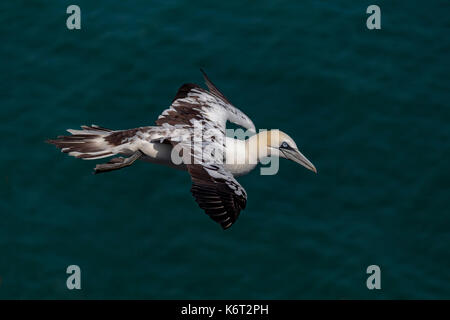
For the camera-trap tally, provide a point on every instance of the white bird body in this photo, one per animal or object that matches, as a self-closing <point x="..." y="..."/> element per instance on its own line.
<point x="190" y="135"/>
<point x="238" y="160"/>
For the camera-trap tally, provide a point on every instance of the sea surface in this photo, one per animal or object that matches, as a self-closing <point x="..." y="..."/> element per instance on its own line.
<point x="370" y="108"/>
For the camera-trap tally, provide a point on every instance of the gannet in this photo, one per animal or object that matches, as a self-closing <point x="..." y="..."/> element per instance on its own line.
<point x="180" y="134"/>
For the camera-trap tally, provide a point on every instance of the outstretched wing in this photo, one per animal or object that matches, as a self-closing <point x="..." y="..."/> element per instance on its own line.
<point x="215" y="189"/>
<point x="217" y="192"/>
<point x="213" y="89"/>
<point x="195" y="104"/>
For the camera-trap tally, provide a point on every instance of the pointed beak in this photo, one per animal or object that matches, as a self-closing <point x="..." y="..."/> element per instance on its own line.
<point x="297" y="156"/>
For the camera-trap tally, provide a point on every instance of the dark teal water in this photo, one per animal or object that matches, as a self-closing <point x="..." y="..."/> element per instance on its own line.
<point x="369" y="108"/>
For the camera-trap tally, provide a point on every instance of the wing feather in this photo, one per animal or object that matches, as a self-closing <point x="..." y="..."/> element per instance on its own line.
<point x="193" y="103"/>
<point x="220" y="196"/>
<point x="215" y="189"/>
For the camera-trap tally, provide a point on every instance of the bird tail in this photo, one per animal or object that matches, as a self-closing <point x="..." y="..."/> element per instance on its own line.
<point x="89" y="143"/>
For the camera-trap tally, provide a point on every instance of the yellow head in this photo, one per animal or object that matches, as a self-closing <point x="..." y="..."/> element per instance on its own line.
<point x="280" y="144"/>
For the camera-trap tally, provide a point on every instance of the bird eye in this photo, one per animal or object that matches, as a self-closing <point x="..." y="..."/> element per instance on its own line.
<point x="284" y="145"/>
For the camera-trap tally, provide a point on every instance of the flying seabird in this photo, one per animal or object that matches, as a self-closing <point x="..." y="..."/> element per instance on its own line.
<point x="183" y="138"/>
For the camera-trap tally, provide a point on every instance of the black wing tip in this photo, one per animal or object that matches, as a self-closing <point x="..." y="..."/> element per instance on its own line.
<point x="226" y="227"/>
<point x="205" y="76"/>
<point x="212" y="87"/>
